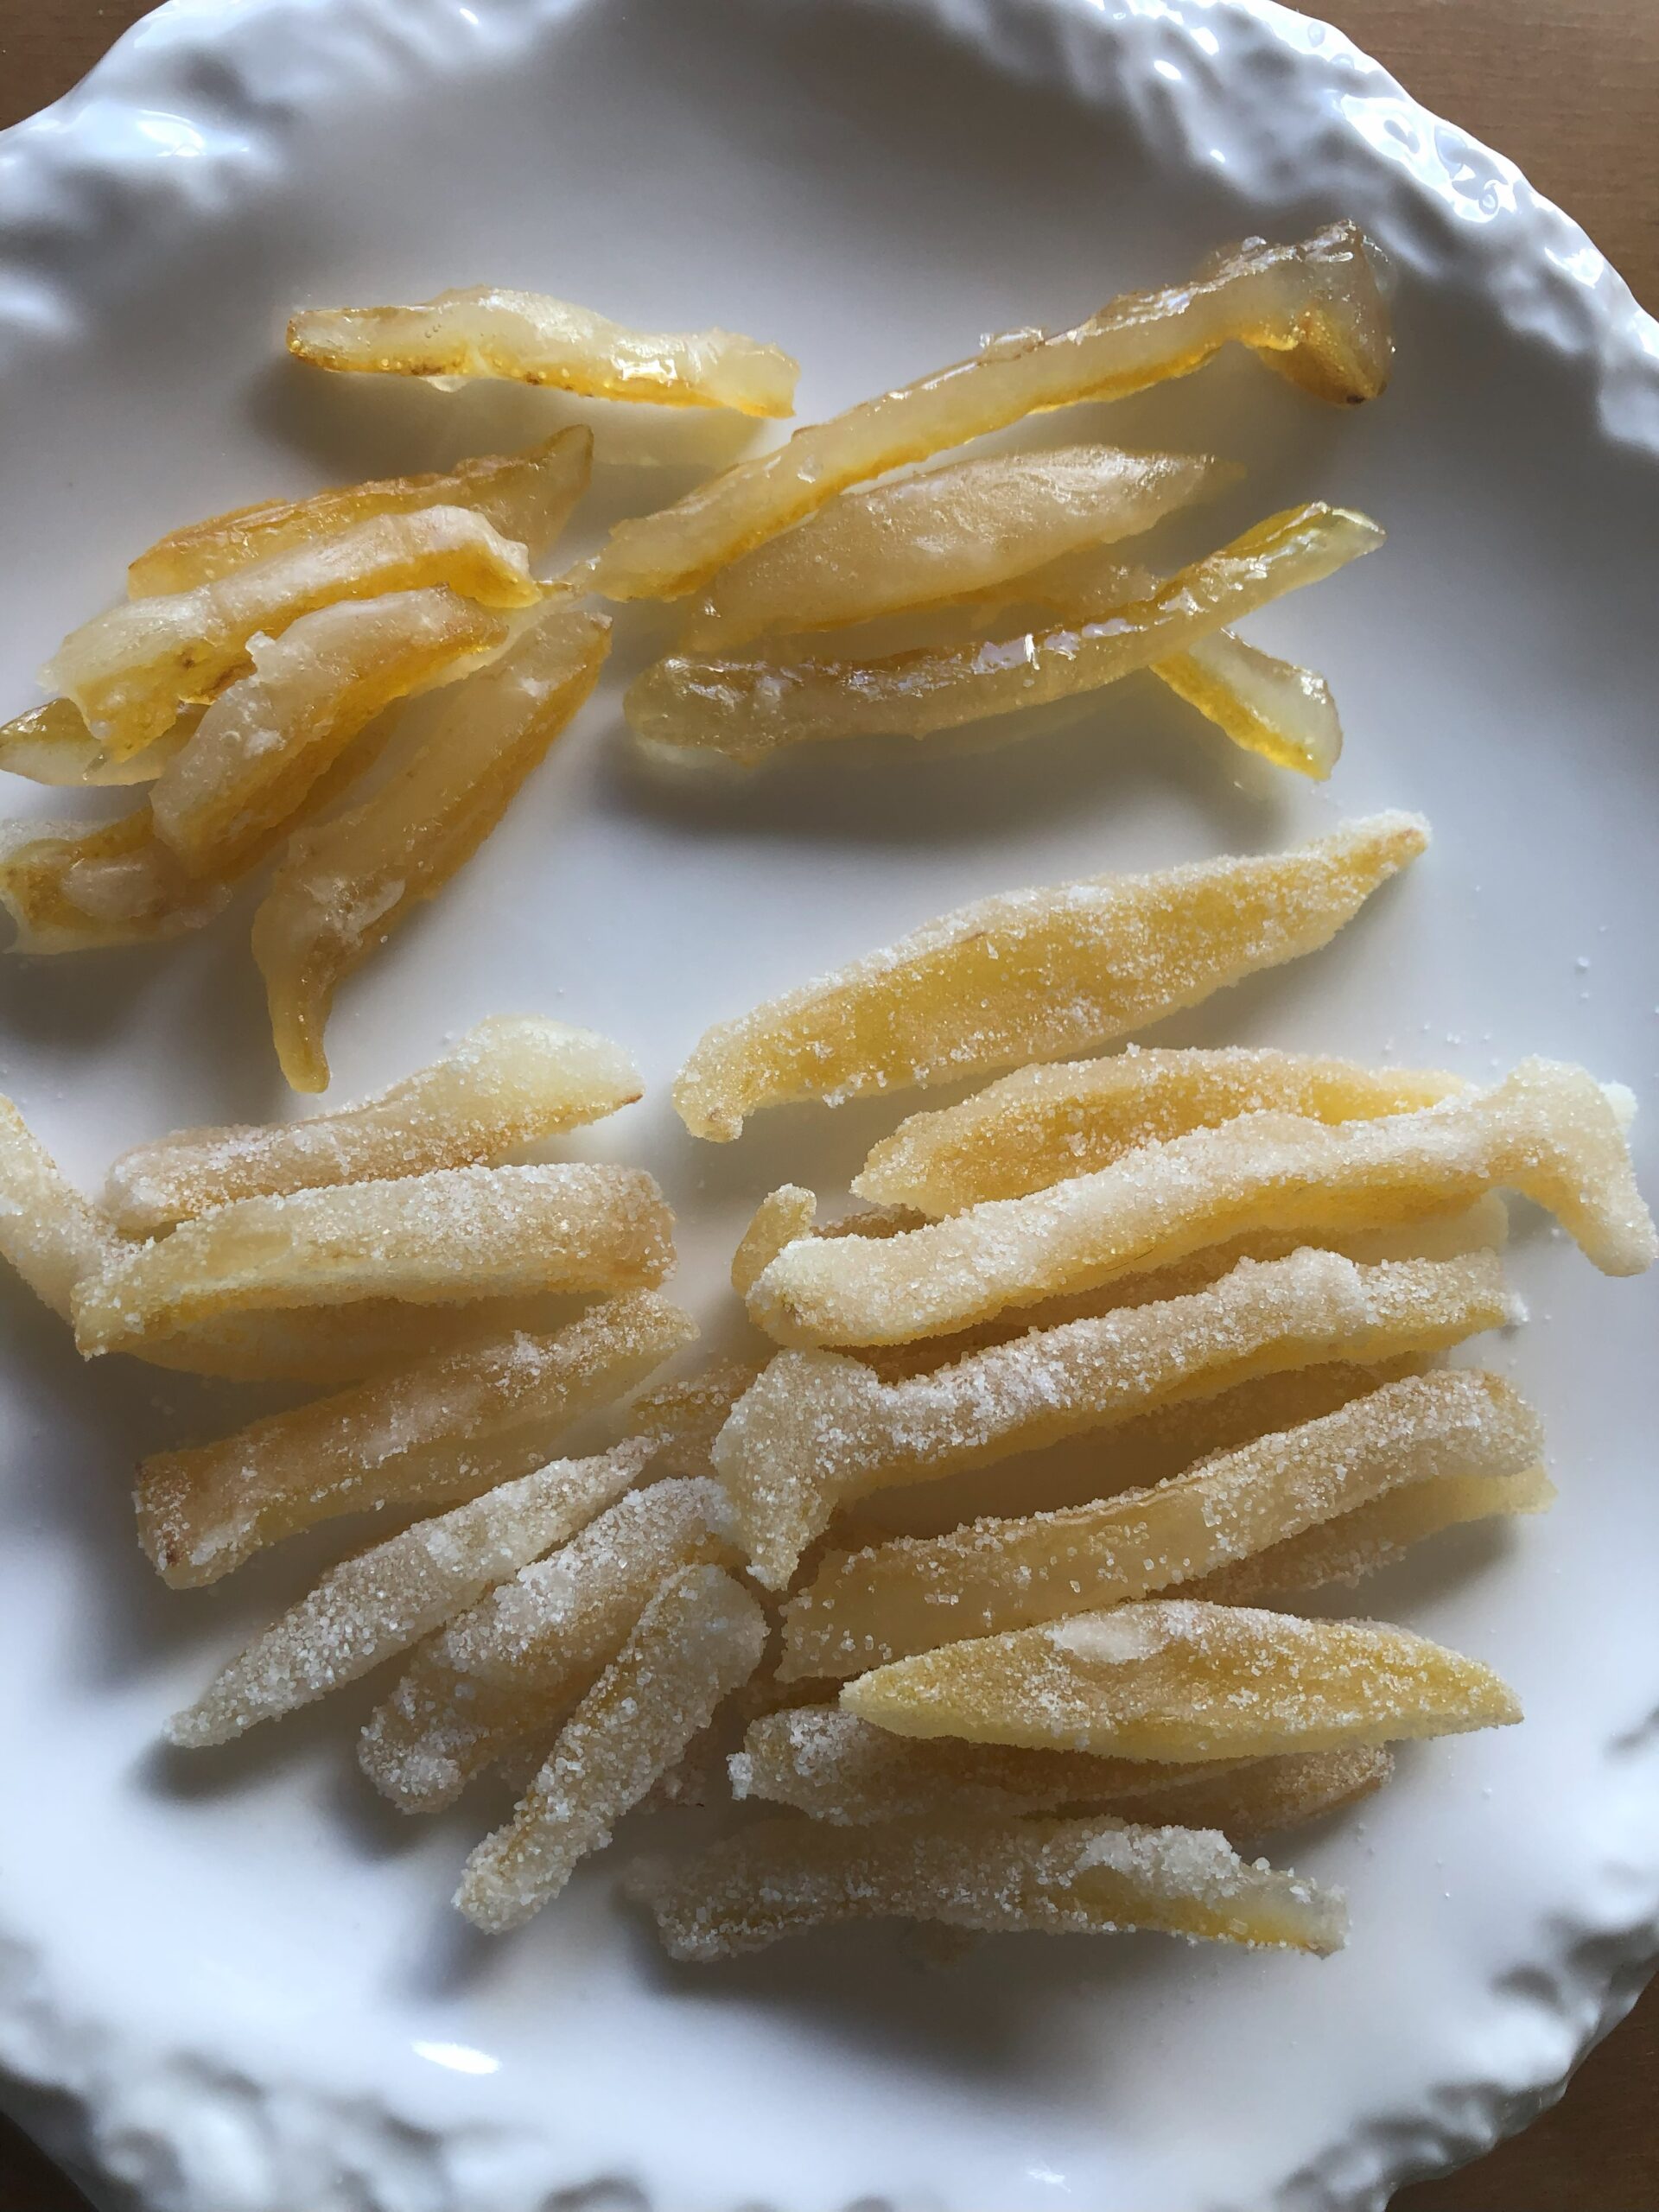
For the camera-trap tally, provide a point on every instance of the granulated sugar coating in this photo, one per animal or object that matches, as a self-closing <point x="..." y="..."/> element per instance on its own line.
<point x="697" y="1640"/>
<point x="1043" y="1124"/>
<point x="1548" y="1132"/>
<point x="1172" y="1678"/>
<point x="509" y="1082"/>
<point x="819" y="1430"/>
<point x="835" y="1767"/>
<point x="508" y="1670"/>
<point x="680" y="1421"/>
<point x="760" y="701"/>
<point x="387" y="1598"/>
<point x="995" y="1575"/>
<point x="268" y="738"/>
<point x="1373" y="1536"/>
<point x="1312" y="311"/>
<point x="1038" y="974"/>
<point x="447" y="1429"/>
<point x="130" y="670"/>
<point x="55" y="1239"/>
<point x="1084" y="1876"/>
<point x="782" y="1215"/>
<point x="442" y="1238"/>
<point x="346" y="886"/>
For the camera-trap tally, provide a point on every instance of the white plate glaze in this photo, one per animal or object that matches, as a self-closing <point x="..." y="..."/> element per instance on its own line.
<point x="237" y="1987"/>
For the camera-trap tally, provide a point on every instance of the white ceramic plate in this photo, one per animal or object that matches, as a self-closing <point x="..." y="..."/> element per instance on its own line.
<point x="243" y="1977"/>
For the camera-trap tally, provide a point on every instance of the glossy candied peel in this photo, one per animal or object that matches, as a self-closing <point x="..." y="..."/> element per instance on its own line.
<point x="442" y="1238"/>
<point x="78" y="886"/>
<point x="436" y="1432"/>
<point x="995" y="1575"/>
<point x="528" y="497"/>
<point x="1041" y="1125"/>
<point x="746" y="708"/>
<point x="820" y="1430"/>
<point x="508" y="1671"/>
<point x="1177" y="1679"/>
<point x="1547" y="1130"/>
<point x="343" y="888"/>
<point x="130" y="668"/>
<point x="943" y="533"/>
<point x="698" y="1639"/>
<point x="1374" y="1535"/>
<point x="1096" y="1875"/>
<point x="268" y="737"/>
<point x="510" y="1081"/>
<point x="1312" y="310"/>
<point x="1038" y="974"/>
<point x="371" y="1607"/>
<point x="54" y="744"/>
<point x="491" y="332"/>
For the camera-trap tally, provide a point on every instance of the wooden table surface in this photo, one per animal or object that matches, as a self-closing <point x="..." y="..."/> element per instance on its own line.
<point x="1569" y="90"/>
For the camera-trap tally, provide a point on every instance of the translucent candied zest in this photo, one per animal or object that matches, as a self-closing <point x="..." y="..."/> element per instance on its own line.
<point x="1310" y="310"/>
<point x="51" y="1235"/>
<point x="1041" y="1125"/>
<point x="942" y="533"/>
<point x="371" y="1607"/>
<point x="527" y="496"/>
<point x="835" y="1767"/>
<point x="268" y="737"/>
<point x="1096" y="1875"/>
<point x="1547" y="1130"/>
<point x="1177" y="1679"/>
<point x="680" y="1421"/>
<point x="782" y="1215"/>
<point x="747" y="708"/>
<point x="914" y="1594"/>
<point x="698" y="1639"/>
<point x="76" y="886"/>
<point x="52" y="744"/>
<point x="441" y="1237"/>
<point x="512" y="1080"/>
<point x="1038" y="974"/>
<point x="1374" y="1535"/>
<point x="345" y="886"/>
<point x="527" y="336"/>
<point x="820" y="1430"/>
<point x="130" y="668"/>
<point x="505" y="1673"/>
<point x="441" y="1431"/>
<point x="1274" y="707"/>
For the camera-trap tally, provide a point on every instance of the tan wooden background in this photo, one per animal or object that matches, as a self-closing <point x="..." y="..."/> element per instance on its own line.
<point x="1569" y="90"/>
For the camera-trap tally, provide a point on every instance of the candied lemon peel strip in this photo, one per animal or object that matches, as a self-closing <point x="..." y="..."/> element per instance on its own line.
<point x="371" y="1607"/>
<point x="834" y="1767"/>
<point x="511" y="1080"/>
<point x="746" y="708"/>
<point x="1547" y="1130"/>
<point x="267" y="738"/>
<point x="130" y="668"/>
<point x="1176" y="1679"/>
<point x="438" y="1432"/>
<point x="1038" y="974"/>
<point x="528" y="497"/>
<point x="681" y="1419"/>
<point x="489" y="331"/>
<point x="506" y="1672"/>
<point x="995" y="1575"/>
<point x="1042" y="1125"/>
<point x="944" y="534"/>
<point x="54" y="744"/>
<point x="1312" y="310"/>
<point x="819" y="1430"/>
<point x="78" y="886"/>
<point x="343" y="888"/>
<point x="442" y="1238"/>
<point x="1096" y="1875"/>
<point x="698" y="1639"/>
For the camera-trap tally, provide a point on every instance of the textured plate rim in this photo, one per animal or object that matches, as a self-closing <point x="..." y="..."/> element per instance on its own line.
<point x="73" y="166"/>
